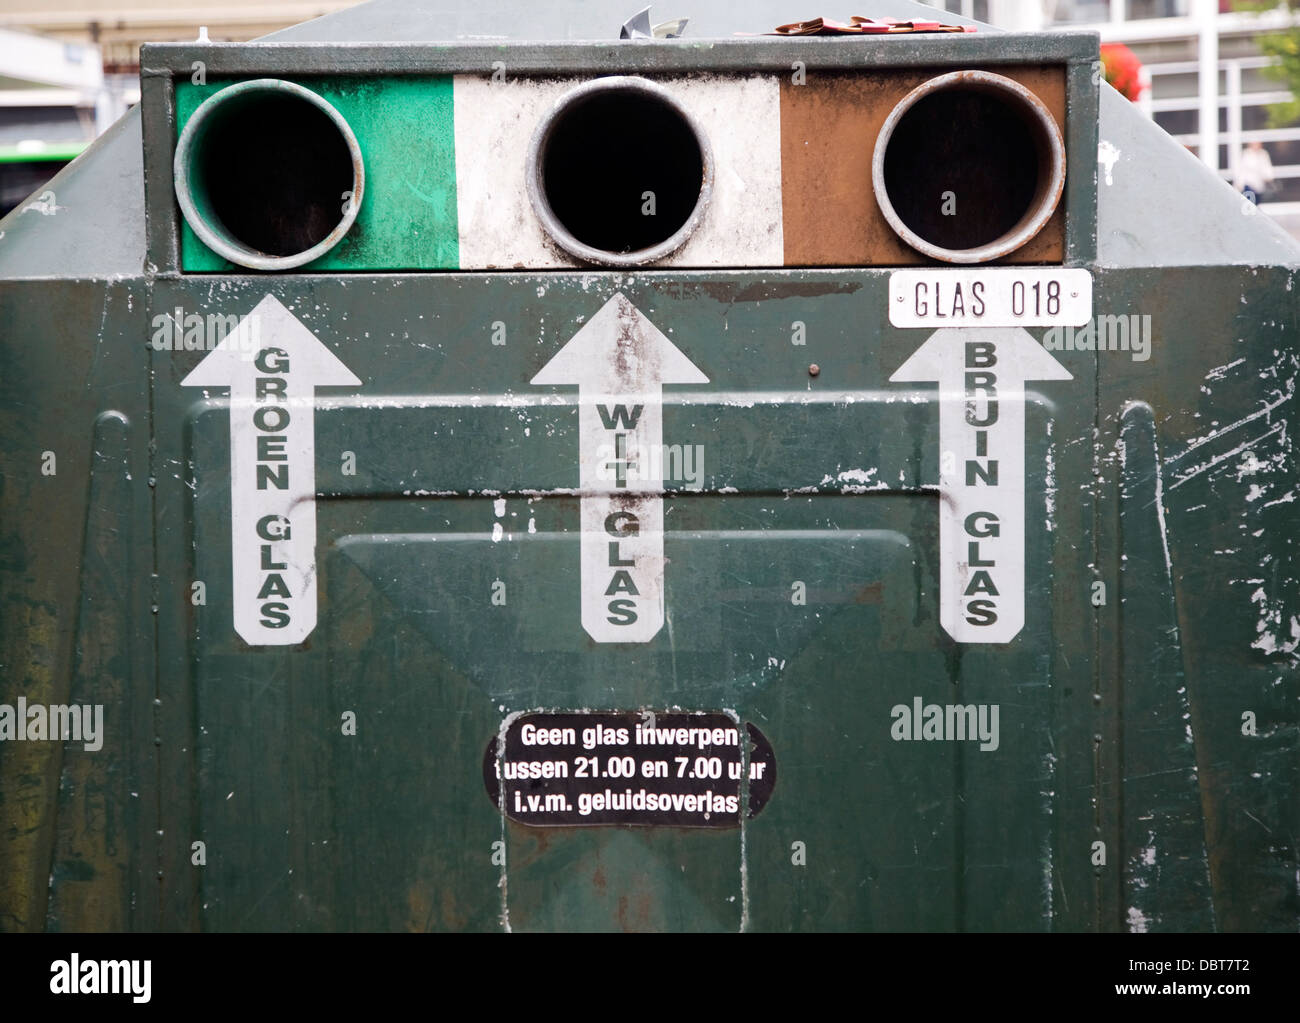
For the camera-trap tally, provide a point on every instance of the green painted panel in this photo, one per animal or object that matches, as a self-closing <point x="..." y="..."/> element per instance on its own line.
<point x="406" y="130"/>
<point x="1170" y="479"/>
<point x="456" y="489"/>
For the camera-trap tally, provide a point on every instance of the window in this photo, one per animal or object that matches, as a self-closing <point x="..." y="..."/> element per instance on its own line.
<point x="1092" y="11"/>
<point x="977" y="9"/>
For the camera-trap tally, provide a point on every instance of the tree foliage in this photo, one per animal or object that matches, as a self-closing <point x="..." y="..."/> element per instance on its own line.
<point x="1284" y="46"/>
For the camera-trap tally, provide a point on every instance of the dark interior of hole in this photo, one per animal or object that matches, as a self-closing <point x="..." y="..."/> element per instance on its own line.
<point x="975" y="145"/>
<point x="275" y="169"/>
<point x="604" y="154"/>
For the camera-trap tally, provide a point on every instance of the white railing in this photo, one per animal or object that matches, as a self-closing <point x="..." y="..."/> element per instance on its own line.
<point x="1119" y="28"/>
<point x="1233" y="100"/>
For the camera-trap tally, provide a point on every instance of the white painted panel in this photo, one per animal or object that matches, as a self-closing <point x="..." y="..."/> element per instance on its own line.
<point x="742" y="118"/>
<point x="495" y="122"/>
<point x="494" y="125"/>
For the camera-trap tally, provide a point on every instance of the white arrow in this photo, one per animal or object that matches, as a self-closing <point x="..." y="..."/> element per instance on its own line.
<point x="272" y="365"/>
<point x="620" y="362"/>
<point x="981" y="375"/>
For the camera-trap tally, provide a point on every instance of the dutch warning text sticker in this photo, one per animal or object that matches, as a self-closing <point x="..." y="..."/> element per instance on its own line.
<point x="991" y="297"/>
<point x="638" y="767"/>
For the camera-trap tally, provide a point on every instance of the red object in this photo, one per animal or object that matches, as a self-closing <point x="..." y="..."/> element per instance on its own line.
<point x="864" y="26"/>
<point x="1123" y="70"/>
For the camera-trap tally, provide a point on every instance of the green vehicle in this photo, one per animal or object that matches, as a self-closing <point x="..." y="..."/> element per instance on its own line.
<point x="23" y="170"/>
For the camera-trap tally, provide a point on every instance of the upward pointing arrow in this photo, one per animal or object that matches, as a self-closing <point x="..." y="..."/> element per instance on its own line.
<point x="620" y="361"/>
<point x="272" y="365"/>
<point x="981" y="375"/>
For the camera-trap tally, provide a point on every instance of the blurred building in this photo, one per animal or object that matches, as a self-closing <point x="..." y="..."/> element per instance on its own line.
<point x="118" y="27"/>
<point x="53" y="101"/>
<point x="1207" y="86"/>
<point x="70" y="68"/>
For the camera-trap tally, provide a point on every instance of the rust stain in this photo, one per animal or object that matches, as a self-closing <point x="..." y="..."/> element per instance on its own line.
<point x="528" y="844"/>
<point x="634" y="913"/>
<point x="451" y="915"/>
<point x="433" y="908"/>
<point x="28" y="779"/>
<point x="829" y="127"/>
<point x="764" y="290"/>
<point x="871" y="593"/>
<point x="356" y="629"/>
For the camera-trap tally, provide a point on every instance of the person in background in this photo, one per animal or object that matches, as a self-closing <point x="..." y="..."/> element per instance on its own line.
<point x="1254" y="172"/>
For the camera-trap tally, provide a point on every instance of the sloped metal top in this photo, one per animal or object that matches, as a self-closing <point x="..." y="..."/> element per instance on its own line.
<point x="438" y="20"/>
<point x="94" y="226"/>
<point x="1161" y="206"/>
<point x="1158" y="205"/>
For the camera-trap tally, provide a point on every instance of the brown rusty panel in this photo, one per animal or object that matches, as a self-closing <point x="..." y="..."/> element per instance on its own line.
<point x="829" y="127"/>
<point x="98" y="856"/>
<point x="41" y="523"/>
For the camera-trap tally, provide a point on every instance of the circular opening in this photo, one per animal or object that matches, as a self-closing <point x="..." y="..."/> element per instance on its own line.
<point x="268" y="174"/>
<point x="969" y="167"/>
<point x="620" y="173"/>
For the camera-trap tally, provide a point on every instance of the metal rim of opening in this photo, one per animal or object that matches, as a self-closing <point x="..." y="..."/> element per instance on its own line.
<point x="1049" y="193"/>
<point x="556" y="230"/>
<point x="216" y="237"/>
